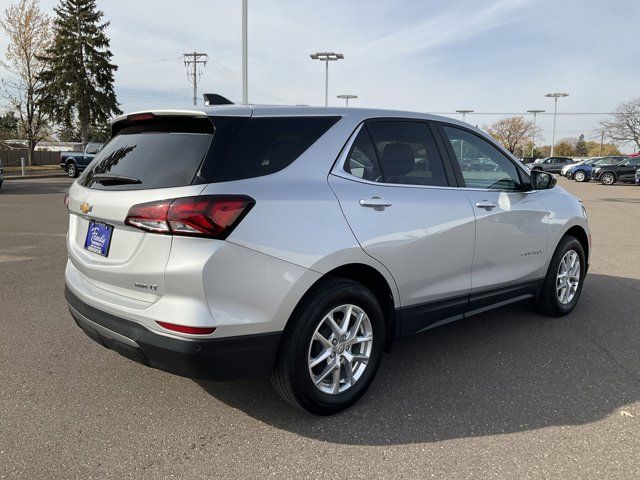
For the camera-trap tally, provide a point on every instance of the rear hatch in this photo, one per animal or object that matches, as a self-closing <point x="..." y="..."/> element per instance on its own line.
<point x="150" y="157"/>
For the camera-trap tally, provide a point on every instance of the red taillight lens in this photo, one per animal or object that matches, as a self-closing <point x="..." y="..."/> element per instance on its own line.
<point x="213" y="216"/>
<point x="186" y="329"/>
<point x="150" y="216"/>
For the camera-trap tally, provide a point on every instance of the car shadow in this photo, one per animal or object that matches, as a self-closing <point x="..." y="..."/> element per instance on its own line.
<point x="505" y="371"/>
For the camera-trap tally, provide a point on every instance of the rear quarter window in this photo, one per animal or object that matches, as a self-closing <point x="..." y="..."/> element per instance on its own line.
<point x="265" y="146"/>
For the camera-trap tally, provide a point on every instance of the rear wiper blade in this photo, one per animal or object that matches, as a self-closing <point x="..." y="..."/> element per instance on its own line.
<point x="113" y="179"/>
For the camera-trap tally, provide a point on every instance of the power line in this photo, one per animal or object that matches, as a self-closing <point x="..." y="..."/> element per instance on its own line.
<point x="192" y="60"/>
<point x="525" y="113"/>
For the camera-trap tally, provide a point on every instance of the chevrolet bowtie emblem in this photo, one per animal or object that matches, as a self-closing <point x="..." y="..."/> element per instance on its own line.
<point x="85" y="207"/>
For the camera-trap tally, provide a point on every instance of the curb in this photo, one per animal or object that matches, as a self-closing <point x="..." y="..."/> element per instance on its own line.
<point x="44" y="175"/>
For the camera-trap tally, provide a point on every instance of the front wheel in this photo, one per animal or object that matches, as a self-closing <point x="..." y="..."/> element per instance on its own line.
<point x="72" y="170"/>
<point x="579" y="176"/>
<point x="331" y="350"/>
<point x="608" y="178"/>
<point x="563" y="284"/>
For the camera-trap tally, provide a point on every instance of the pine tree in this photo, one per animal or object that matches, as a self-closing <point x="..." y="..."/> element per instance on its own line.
<point x="78" y="80"/>
<point x="581" y="147"/>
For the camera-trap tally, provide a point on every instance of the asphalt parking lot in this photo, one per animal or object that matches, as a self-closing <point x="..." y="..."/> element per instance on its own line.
<point x="507" y="394"/>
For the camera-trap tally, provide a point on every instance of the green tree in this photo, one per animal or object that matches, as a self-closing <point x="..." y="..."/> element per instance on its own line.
<point x="78" y="80"/>
<point x="8" y="126"/>
<point x="581" y="149"/>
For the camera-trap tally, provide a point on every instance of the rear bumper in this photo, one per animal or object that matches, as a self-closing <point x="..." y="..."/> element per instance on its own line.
<point x="225" y="358"/>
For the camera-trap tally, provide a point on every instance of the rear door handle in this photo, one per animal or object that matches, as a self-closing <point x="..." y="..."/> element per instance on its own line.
<point x="375" y="202"/>
<point x="485" y="204"/>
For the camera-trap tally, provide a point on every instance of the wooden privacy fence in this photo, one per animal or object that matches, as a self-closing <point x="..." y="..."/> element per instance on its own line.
<point x="11" y="158"/>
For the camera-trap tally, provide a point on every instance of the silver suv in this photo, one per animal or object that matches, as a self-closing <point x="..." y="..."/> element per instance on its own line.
<point x="231" y="241"/>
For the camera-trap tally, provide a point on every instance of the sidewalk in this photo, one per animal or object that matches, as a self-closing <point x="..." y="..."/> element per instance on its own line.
<point x="46" y="171"/>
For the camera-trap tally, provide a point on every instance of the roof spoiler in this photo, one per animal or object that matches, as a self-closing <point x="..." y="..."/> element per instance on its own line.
<point x="215" y="99"/>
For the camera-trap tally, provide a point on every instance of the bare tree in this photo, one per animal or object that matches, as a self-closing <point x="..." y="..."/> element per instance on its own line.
<point x="29" y="32"/>
<point x="514" y="133"/>
<point x="624" y="127"/>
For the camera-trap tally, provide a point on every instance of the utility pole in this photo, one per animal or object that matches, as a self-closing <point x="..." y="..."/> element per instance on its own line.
<point x="245" y="67"/>
<point x="533" y="133"/>
<point x="192" y="60"/>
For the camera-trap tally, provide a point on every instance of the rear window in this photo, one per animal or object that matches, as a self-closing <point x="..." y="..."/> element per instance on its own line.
<point x="158" y="153"/>
<point x="165" y="153"/>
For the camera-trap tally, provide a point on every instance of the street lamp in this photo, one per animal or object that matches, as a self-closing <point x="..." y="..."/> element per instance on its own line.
<point x="464" y="113"/>
<point x="533" y="134"/>
<point x="555" y="97"/>
<point x="326" y="57"/>
<point x="464" y="116"/>
<point x="347" y="97"/>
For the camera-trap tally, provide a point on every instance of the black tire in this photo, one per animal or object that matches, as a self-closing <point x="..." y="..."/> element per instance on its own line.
<point x="608" y="178"/>
<point x="291" y="377"/>
<point x="580" y="176"/>
<point x="547" y="300"/>
<point x="72" y="170"/>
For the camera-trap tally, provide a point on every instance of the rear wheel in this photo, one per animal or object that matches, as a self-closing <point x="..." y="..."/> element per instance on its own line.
<point x="608" y="178"/>
<point x="563" y="284"/>
<point x="580" y="176"/>
<point x="72" y="170"/>
<point x="332" y="348"/>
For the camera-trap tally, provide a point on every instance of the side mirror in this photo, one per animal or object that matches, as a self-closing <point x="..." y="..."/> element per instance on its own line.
<point x="541" y="180"/>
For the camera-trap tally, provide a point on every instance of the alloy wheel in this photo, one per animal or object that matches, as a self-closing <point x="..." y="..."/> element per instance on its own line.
<point x="340" y="349"/>
<point x="608" y="178"/>
<point x="568" y="277"/>
<point x="71" y="170"/>
<point x="579" y="176"/>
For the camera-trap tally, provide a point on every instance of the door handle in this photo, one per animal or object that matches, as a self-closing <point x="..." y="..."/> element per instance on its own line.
<point x="485" y="204"/>
<point x="375" y="202"/>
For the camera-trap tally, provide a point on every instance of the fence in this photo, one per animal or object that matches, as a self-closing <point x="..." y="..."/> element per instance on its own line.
<point x="11" y="158"/>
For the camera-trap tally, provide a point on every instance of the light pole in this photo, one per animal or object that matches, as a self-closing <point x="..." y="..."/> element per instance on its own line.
<point x="346" y="98"/>
<point x="326" y="57"/>
<point x="533" y="133"/>
<point x="245" y="67"/>
<point x="464" y="113"/>
<point x="555" y="97"/>
<point x="464" y="116"/>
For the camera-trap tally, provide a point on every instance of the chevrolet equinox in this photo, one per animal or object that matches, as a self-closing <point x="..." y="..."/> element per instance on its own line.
<point x="231" y="240"/>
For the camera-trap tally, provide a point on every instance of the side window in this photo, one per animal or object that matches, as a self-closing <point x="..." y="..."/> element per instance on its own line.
<point x="407" y="153"/>
<point x="362" y="161"/>
<point x="482" y="164"/>
<point x="634" y="162"/>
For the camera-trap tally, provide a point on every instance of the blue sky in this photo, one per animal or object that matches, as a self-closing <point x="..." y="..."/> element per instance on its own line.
<point x="432" y="56"/>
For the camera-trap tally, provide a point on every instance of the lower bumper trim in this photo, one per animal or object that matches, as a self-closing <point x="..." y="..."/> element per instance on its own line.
<point x="225" y="358"/>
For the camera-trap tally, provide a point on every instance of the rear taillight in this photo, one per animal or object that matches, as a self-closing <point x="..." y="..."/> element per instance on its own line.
<point x="212" y="216"/>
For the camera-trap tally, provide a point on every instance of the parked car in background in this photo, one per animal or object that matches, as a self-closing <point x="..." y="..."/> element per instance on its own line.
<point x="624" y="171"/>
<point x="232" y="241"/>
<point x="638" y="176"/>
<point x="583" y="171"/>
<point x="74" y="163"/>
<point x="575" y="163"/>
<point x="550" y="164"/>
